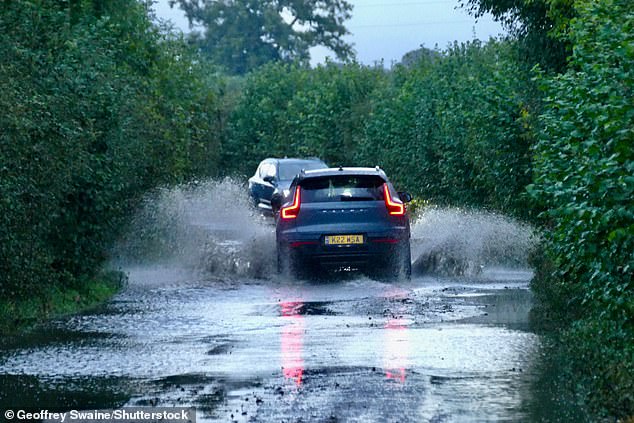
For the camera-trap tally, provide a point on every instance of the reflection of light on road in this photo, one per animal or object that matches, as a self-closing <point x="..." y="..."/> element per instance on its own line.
<point x="292" y="341"/>
<point x="397" y="350"/>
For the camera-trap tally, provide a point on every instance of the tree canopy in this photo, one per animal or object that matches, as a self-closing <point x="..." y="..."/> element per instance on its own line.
<point x="242" y="35"/>
<point x="540" y="25"/>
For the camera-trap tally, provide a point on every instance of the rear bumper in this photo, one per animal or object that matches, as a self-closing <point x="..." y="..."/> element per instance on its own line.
<point x="376" y="249"/>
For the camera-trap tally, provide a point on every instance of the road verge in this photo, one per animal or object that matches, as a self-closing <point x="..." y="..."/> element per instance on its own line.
<point x="20" y="315"/>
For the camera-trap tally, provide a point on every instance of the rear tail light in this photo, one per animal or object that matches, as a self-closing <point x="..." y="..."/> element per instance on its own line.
<point x="394" y="207"/>
<point x="291" y="212"/>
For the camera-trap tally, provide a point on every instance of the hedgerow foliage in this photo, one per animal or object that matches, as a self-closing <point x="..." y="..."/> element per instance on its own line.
<point x="584" y="177"/>
<point x="97" y="106"/>
<point x="455" y="127"/>
<point x="289" y="110"/>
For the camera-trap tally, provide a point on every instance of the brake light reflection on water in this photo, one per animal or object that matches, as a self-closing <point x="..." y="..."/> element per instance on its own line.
<point x="397" y="350"/>
<point x="396" y="341"/>
<point x="292" y="341"/>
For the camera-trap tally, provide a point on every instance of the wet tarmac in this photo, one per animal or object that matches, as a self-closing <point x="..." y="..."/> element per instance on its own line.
<point x="353" y="349"/>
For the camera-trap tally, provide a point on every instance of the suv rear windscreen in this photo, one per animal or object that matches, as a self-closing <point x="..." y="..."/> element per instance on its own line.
<point x="342" y="188"/>
<point x="289" y="170"/>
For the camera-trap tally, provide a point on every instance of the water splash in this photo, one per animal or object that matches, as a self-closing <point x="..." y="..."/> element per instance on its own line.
<point x="208" y="227"/>
<point x="452" y="241"/>
<point x="211" y="229"/>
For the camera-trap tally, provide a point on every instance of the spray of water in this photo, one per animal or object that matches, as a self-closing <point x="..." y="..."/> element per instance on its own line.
<point x="450" y="241"/>
<point x="211" y="228"/>
<point x="208" y="227"/>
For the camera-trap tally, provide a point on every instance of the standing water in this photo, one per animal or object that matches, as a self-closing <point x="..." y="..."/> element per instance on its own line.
<point x="204" y="321"/>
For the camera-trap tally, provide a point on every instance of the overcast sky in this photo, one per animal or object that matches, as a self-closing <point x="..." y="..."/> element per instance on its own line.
<point x="387" y="29"/>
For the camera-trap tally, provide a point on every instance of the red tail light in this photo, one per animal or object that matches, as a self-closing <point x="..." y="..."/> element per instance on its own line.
<point x="291" y="212"/>
<point x="394" y="207"/>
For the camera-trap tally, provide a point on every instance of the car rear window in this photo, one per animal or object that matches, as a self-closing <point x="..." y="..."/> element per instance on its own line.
<point x="342" y="188"/>
<point x="289" y="170"/>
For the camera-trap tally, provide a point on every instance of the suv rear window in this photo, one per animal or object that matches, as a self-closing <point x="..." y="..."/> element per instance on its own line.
<point x="342" y="188"/>
<point x="289" y="170"/>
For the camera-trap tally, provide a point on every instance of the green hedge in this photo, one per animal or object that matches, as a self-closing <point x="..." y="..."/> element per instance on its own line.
<point x="98" y="105"/>
<point x="289" y="110"/>
<point x="584" y="178"/>
<point x="454" y="127"/>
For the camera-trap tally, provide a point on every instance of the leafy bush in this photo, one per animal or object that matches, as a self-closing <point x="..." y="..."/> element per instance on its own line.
<point x="98" y="106"/>
<point x="584" y="177"/>
<point x="457" y="127"/>
<point x="289" y="110"/>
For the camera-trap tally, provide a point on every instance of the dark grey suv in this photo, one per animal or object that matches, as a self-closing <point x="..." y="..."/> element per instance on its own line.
<point x="344" y="218"/>
<point x="273" y="178"/>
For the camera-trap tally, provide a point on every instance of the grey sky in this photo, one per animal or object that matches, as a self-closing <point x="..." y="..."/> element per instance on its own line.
<point x="387" y="29"/>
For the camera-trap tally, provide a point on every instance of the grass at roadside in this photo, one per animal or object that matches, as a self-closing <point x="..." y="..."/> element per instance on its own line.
<point x="20" y="315"/>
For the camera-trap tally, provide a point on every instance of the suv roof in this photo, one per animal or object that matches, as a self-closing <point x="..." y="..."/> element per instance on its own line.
<point x="292" y="160"/>
<point x="347" y="171"/>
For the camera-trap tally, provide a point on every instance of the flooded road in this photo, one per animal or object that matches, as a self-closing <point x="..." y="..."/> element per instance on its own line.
<point x="349" y="350"/>
<point x="212" y="326"/>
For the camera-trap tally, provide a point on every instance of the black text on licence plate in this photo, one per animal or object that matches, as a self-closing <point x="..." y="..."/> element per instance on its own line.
<point x="343" y="239"/>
